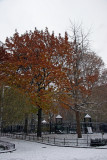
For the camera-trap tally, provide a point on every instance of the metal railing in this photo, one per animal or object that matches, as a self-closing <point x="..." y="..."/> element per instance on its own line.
<point x="82" y="142"/>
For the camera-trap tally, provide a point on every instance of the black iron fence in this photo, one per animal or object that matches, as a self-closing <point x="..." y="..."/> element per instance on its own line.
<point x="56" y="128"/>
<point x="84" y="142"/>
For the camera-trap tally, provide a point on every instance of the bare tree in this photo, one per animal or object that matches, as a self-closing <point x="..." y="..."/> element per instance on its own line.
<point x="82" y="72"/>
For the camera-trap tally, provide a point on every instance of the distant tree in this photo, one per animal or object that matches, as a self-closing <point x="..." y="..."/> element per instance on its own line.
<point x="103" y="77"/>
<point x="98" y="98"/>
<point x="15" y="106"/>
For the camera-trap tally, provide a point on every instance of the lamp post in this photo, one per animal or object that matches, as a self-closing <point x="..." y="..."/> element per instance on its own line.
<point x="2" y="105"/>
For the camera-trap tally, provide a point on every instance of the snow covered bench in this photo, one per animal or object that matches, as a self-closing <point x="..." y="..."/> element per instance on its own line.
<point x="98" y="142"/>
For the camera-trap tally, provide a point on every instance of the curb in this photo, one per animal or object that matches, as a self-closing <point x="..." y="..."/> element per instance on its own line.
<point x="6" y="151"/>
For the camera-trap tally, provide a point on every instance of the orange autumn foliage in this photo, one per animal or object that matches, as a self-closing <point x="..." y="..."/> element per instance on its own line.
<point x="40" y="63"/>
<point x="35" y="64"/>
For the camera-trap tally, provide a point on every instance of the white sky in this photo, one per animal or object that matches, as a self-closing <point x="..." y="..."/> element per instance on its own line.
<point x="56" y="15"/>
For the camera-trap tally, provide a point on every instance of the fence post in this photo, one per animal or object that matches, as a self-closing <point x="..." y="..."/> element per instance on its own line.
<point x="87" y="139"/>
<point x="42" y="139"/>
<point x="33" y="137"/>
<point x="37" y="138"/>
<point x="25" y="136"/>
<point x="64" y="141"/>
<point x="77" y="141"/>
<point x="54" y="140"/>
<point x="48" y="139"/>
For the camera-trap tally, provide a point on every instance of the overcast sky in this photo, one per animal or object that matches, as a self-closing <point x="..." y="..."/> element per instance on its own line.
<point x="56" y="15"/>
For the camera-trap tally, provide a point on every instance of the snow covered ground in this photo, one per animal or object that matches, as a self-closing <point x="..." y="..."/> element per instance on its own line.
<point x="26" y="150"/>
<point x="74" y="136"/>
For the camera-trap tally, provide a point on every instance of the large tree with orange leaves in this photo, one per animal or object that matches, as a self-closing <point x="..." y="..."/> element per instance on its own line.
<point x="40" y="63"/>
<point x="33" y="66"/>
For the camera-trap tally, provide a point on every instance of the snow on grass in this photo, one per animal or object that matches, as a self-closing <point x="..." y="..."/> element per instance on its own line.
<point x="26" y="150"/>
<point x="72" y="140"/>
<point x="74" y="136"/>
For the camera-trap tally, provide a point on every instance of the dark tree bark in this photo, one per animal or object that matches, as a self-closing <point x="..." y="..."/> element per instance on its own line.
<point x="78" y="124"/>
<point x="50" y="127"/>
<point x="39" y="122"/>
<point x="26" y="124"/>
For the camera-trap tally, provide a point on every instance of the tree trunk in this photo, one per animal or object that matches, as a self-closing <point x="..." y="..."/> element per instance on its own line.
<point x="39" y="122"/>
<point x="26" y="124"/>
<point x="50" y="127"/>
<point x="78" y="124"/>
